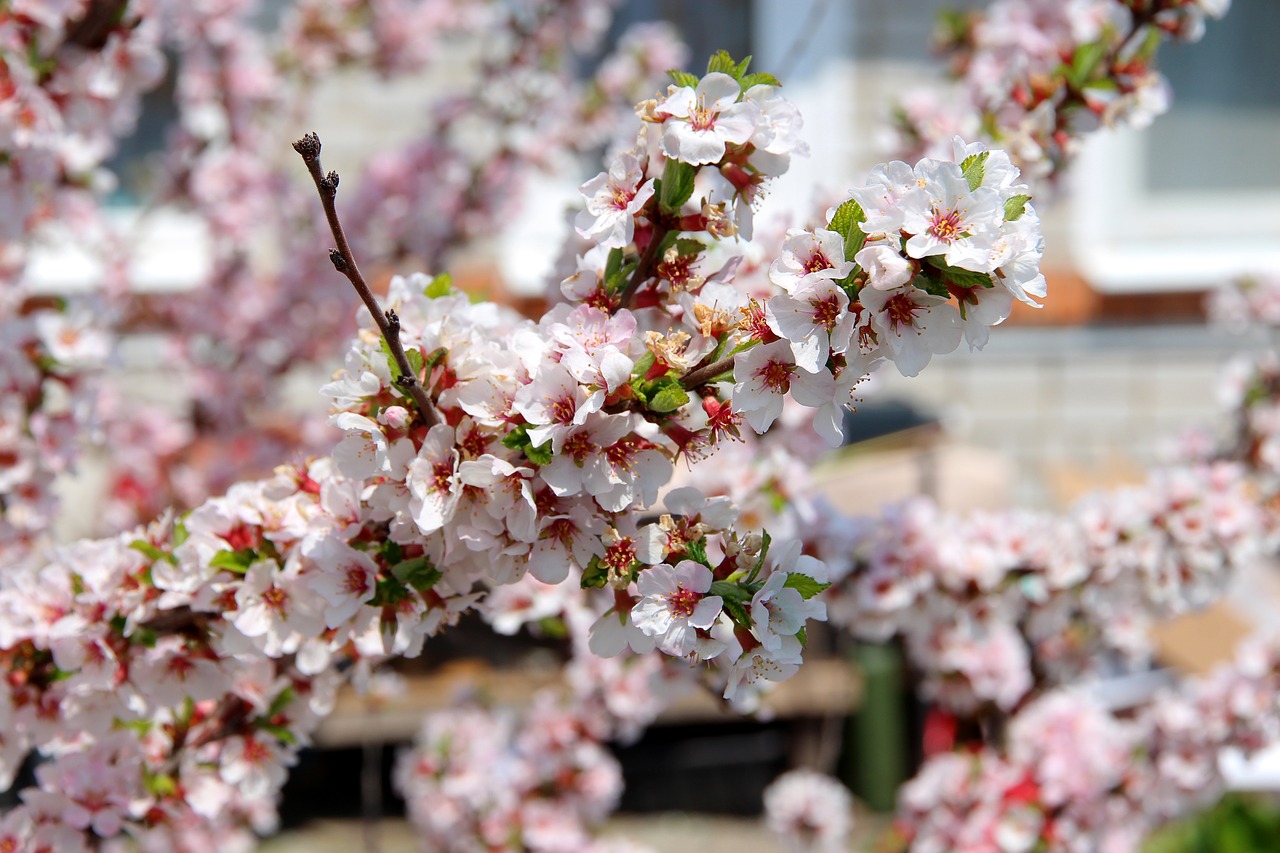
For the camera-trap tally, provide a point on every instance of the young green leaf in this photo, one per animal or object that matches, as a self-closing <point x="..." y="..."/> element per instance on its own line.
<point x="975" y="168"/>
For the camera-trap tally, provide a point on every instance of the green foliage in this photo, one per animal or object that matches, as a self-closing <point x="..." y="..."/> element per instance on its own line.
<point x="805" y="585"/>
<point x="676" y="185"/>
<point x="958" y="276"/>
<point x="682" y="78"/>
<point x="518" y="439"/>
<point x="236" y="562"/>
<point x="417" y="573"/>
<point x="441" y="285"/>
<point x="1239" y="823"/>
<point x="595" y="575"/>
<point x="1015" y="206"/>
<point x="975" y="168"/>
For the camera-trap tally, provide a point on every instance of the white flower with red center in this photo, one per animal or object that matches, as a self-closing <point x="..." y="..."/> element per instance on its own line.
<point x="1015" y="257"/>
<point x="568" y="535"/>
<point x="980" y="309"/>
<point x="762" y="665"/>
<point x="593" y="345"/>
<point x="674" y="605"/>
<point x="808" y="255"/>
<point x="944" y="217"/>
<point x="254" y="764"/>
<point x="173" y="671"/>
<point x="553" y="403"/>
<point x="913" y="325"/>
<point x="701" y="121"/>
<point x="433" y="480"/>
<point x="779" y="611"/>
<point x="276" y="607"/>
<point x="346" y="579"/>
<point x="614" y="198"/>
<point x="508" y="497"/>
<point x="91" y="789"/>
<point x="880" y="198"/>
<point x="765" y="374"/>
<point x="778" y="123"/>
<point x="362" y="453"/>
<point x="814" y="318"/>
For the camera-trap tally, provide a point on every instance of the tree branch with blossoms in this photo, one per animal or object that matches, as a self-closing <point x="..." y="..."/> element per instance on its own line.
<point x="344" y="262"/>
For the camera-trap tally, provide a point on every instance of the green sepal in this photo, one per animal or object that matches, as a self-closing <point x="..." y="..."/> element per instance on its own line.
<point x="595" y="575"/>
<point x="236" y="562"/>
<point x="959" y="276"/>
<point x="441" y="285"/>
<point x="677" y="185"/>
<point x="1015" y="206"/>
<point x="152" y="553"/>
<point x="803" y="584"/>
<point x="682" y="78"/>
<point x="417" y="572"/>
<point x="975" y="168"/>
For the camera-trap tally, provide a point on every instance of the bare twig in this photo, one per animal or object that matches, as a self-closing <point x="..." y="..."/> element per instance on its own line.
<point x="345" y="263"/>
<point x="702" y="375"/>
<point x="648" y="263"/>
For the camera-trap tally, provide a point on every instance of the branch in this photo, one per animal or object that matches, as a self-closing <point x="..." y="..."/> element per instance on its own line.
<point x="648" y="261"/>
<point x="703" y="375"/>
<point x="345" y="263"/>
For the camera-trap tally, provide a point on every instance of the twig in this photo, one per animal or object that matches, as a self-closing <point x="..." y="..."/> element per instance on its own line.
<point x="345" y="263"/>
<point x="648" y="261"/>
<point x="702" y="375"/>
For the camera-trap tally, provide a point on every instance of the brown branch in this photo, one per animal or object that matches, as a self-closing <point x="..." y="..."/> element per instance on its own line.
<point x="92" y="30"/>
<point x="648" y="261"/>
<point x="702" y="375"/>
<point x="345" y="263"/>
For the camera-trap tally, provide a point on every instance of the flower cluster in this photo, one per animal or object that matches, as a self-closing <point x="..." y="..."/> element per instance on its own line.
<point x="809" y="811"/>
<point x="1036" y="75"/>
<point x="1073" y="776"/>
<point x="995" y="606"/>
<point x="489" y="780"/>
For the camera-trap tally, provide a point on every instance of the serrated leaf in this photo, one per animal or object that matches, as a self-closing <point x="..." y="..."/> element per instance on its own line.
<point x="1014" y="207"/>
<point x="975" y="168"/>
<point x="641" y="368"/>
<point x="737" y="612"/>
<point x="441" y="285"/>
<point x="723" y="63"/>
<point x="518" y="438"/>
<point x="388" y="591"/>
<point x="540" y="455"/>
<point x="677" y="185"/>
<point x="616" y="282"/>
<point x="697" y="551"/>
<point x="237" y="562"/>
<point x="151" y="552"/>
<point x="417" y="572"/>
<point x="682" y="78"/>
<point x="959" y="276"/>
<point x="803" y="584"/>
<point x="759" y="78"/>
<point x="847" y="222"/>
<point x="595" y="575"/>
<point x="686" y="246"/>
<point x="668" y="397"/>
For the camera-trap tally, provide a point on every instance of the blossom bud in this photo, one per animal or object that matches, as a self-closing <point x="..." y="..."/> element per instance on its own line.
<point x="886" y="268"/>
<point x="395" y="417"/>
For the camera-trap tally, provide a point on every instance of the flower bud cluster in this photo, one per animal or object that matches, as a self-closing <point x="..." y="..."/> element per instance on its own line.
<point x="1036" y="75"/>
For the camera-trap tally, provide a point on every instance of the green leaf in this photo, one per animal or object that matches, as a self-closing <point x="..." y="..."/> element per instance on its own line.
<point x="723" y="63"/>
<point x="737" y="612"/>
<point x="618" y="280"/>
<point x="847" y="222"/>
<point x="802" y="636"/>
<point x="931" y="283"/>
<point x="280" y="733"/>
<point x="180" y="533"/>
<point x="540" y="455"/>
<point x="759" y="78"/>
<point x="282" y="700"/>
<point x="668" y="396"/>
<point x="417" y="572"/>
<point x="390" y="551"/>
<point x="975" y="168"/>
<point x="518" y="438"/>
<point x="1085" y="61"/>
<point x="159" y="785"/>
<point x="677" y="185"/>
<point x="439" y="286"/>
<point x="144" y="637"/>
<point x="803" y="584"/>
<point x="429" y="363"/>
<point x="959" y="276"/>
<point x="765" y="540"/>
<point x="613" y="263"/>
<point x="389" y="591"/>
<point x="1014" y="207"/>
<point x="697" y="551"/>
<point x="686" y="246"/>
<point x="151" y="552"/>
<point x="682" y="78"/>
<point x="642" y="365"/>
<point x="595" y="575"/>
<point x="553" y="627"/>
<point x="236" y="562"/>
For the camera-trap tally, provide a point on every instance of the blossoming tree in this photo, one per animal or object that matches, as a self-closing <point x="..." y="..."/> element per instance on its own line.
<point x="168" y="674"/>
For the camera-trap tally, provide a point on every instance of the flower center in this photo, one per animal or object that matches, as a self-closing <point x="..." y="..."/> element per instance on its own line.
<point x="356" y="581"/>
<point x="901" y="311"/>
<point x="563" y="409"/>
<point x="826" y="312"/>
<point x="702" y="118"/>
<point x="683" y="602"/>
<point x="946" y="226"/>
<point x="817" y="262"/>
<point x="776" y="376"/>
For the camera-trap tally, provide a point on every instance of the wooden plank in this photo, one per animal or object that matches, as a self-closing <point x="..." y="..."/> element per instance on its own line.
<point x="820" y="688"/>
